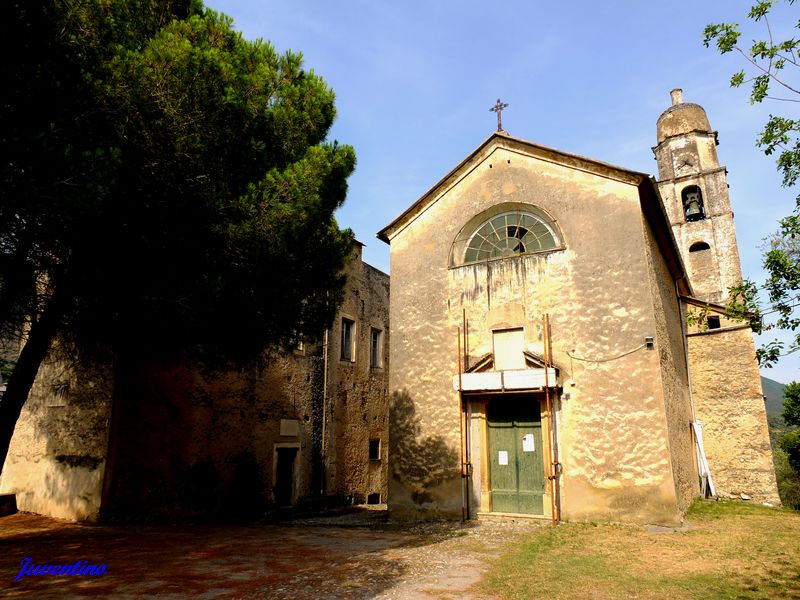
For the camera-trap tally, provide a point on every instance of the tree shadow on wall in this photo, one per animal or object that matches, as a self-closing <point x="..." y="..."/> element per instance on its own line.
<point x="420" y="463"/>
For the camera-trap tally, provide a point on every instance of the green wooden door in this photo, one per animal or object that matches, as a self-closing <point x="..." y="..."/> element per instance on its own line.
<point x="516" y="466"/>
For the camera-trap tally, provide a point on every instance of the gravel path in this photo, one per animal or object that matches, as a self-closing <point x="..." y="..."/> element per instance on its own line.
<point x="356" y="555"/>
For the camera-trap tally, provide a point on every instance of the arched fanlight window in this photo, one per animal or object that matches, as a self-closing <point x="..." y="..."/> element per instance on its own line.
<point x="501" y="234"/>
<point x="693" y="207"/>
<point x="699" y="247"/>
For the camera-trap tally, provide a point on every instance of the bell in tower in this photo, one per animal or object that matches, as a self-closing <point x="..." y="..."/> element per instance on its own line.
<point x="693" y="204"/>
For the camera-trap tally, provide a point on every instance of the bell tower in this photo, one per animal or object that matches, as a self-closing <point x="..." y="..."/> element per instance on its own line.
<point x="724" y="378"/>
<point x="694" y="188"/>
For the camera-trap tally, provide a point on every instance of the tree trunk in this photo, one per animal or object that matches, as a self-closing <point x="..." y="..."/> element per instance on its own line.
<point x="19" y="384"/>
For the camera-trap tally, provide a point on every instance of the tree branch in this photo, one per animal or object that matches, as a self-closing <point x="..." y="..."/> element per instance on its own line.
<point x="765" y="71"/>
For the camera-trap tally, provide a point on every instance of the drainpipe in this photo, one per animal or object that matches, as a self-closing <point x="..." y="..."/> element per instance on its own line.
<point x="464" y="406"/>
<point x="555" y="496"/>
<point x="702" y="461"/>
<point x="556" y="458"/>
<point x="323" y="471"/>
<point x="685" y="347"/>
<point x="468" y="464"/>
<point x="556" y="465"/>
<point x="549" y="408"/>
<point x="461" y="428"/>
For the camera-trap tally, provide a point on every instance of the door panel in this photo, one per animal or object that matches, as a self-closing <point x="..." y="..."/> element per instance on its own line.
<point x="516" y="467"/>
<point x="284" y="476"/>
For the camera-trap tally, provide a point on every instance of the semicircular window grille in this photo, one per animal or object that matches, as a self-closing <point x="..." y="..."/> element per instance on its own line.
<point x="509" y="234"/>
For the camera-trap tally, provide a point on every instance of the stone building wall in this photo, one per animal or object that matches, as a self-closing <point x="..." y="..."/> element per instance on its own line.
<point x="209" y="441"/>
<point x="57" y="458"/>
<point x="357" y="405"/>
<point x="190" y="441"/>
<point x="179" y="439"/>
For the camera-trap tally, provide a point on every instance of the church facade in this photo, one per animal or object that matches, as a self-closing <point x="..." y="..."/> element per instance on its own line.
<point x="541" y="358"/>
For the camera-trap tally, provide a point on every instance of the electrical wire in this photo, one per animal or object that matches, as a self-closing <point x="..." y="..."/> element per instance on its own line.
<point x="774" y="310"/>
<point x="602" y="360"/>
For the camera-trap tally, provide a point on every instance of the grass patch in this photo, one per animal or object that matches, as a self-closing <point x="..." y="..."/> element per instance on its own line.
<point x="734" y="550"/>
<point x="727" y="508"/>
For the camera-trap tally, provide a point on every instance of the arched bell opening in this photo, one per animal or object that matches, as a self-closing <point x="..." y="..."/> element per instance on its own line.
<point x="693" y="207"/>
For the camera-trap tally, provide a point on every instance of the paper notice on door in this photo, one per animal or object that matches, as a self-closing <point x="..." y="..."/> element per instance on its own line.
<point x="502" y="457"/>
<point x="527" y="443"/>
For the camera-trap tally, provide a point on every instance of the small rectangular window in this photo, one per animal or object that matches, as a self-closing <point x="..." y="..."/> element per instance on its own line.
<point x="348" y="339"/>
<point x="376" y="348"/>
<point x="374" y="449"/>
<point x="508" y="346"/>
<point x="58" y="396"/>
<point x="374" y="498"/>
<point x="713" y="323"/>
<point x="296" y="341"/>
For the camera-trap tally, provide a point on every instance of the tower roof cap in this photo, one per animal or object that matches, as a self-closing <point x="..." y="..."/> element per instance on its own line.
<point x="681" y="118"/>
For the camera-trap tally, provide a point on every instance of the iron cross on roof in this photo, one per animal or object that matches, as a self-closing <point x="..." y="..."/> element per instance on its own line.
<point x="498" y="108"/>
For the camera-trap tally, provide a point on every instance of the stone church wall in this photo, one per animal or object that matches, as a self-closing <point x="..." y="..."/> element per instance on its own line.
<point x="672" y="357"/>
<point x="614" y="429"/>
<point x="613" y="434"/>
<point x="729" y="404"/>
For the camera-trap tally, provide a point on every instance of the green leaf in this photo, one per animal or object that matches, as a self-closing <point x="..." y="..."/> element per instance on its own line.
<point x="760" y="9"/>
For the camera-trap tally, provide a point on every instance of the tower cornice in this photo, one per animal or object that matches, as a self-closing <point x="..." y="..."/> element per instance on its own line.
<point x="682" y="178"/>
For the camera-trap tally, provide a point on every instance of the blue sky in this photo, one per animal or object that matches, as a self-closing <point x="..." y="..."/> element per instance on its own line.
<point x="414" y="82"/>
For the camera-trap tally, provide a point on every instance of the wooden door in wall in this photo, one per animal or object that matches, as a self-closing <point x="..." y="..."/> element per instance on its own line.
<point x="284" y="476"/>
<point x="516" y="465"/>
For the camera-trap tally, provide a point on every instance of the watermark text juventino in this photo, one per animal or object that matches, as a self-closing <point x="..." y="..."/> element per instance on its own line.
<point x="81" y="568"/>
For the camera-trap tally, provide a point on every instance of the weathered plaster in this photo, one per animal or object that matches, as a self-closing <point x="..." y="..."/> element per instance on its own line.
<point x="613" y="430"/>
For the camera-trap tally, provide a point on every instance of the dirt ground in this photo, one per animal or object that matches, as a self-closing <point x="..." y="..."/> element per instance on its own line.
<point x="355" y="555"/>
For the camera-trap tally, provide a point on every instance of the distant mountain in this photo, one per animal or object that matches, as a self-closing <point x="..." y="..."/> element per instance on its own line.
<point x="773" y="391"/>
